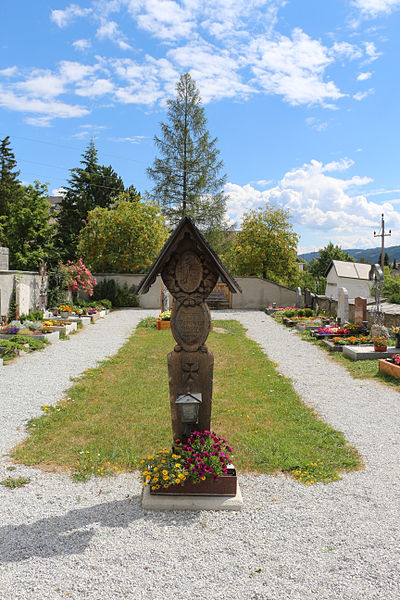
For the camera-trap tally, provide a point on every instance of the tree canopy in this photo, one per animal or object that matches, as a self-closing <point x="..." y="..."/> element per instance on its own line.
<point x="29" y="232"/>
<point x="266" y="246"/>
<point x="186" y="176"/>
<point x="124" y="238"/>
<point x="10" y="186"/>
<point x="90" y="185"/>
<point x="318" y="266"/>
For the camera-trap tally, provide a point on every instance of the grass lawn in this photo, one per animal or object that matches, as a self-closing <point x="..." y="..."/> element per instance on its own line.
<point x="117" y="413"/>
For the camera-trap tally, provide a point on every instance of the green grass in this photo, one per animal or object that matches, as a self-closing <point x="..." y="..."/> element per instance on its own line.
<point x="117" y="413"/>
<point x="14" y="482"/>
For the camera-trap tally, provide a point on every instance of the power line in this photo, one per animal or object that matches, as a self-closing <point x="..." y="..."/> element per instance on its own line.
<point x="71" y="147"/>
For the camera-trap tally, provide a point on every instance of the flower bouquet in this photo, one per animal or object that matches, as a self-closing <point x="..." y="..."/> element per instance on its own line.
<point x="380" y="344"/>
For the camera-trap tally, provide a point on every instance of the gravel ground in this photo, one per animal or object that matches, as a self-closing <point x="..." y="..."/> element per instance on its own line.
<point x="62" y="540"/>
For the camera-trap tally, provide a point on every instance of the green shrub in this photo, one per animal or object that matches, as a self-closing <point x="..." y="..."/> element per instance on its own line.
<point x="108" y="289"/>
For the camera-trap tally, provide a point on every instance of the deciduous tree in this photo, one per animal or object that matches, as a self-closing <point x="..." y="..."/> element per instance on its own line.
<point x="318" y="266"/>
<point x="266" y="246"/>
<point x="124" y="238"/>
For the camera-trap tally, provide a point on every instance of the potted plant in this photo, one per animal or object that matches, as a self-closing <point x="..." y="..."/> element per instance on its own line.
<point x="380" y="344"/>
<point x="199" y="466"/>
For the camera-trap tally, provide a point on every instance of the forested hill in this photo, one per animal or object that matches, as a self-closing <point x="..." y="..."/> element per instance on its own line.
<point x="371" y="255"/>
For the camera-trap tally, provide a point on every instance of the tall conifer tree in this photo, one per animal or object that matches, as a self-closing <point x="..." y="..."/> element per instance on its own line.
<point x="90" y="185"/>
<point x="186" y="176"/>
<point x="10" y="186"/>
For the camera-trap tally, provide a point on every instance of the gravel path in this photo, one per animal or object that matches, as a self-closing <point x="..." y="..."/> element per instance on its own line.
<point x="61" y="540"/>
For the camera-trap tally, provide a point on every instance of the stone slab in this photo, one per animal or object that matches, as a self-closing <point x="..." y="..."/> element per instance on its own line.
<point x="332" y="347"/>
<point x="153" y="502"/>
<point x="301" y="327"/>
<point x="366" y="352"/>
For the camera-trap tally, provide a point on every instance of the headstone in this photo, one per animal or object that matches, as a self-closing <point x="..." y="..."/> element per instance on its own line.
<point x="4" y="258"/>
<point x="360" y="310"/>
<point x="299" y="298"/>
<point x="307" y="298"/>
<point x="343" y="305"/>
<point x="43" y="289"/>
<point x="189" y="269"/>
<point x="22" y="297"/>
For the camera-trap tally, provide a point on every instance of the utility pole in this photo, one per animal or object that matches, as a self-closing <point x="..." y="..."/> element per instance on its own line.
<point x="382" y="235"/>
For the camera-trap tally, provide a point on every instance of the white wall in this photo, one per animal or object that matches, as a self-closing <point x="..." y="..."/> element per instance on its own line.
<point x="30" y="279"/>
<point x="355" y="287"/>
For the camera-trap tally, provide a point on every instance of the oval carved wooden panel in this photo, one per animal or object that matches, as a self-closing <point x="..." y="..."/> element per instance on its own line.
<point x="189" y="271"/>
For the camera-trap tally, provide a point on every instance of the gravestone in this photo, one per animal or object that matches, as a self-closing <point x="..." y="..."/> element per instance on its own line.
<point x="189" y="269"/>
<point x="299" y="298"/>
<point x="22" y="298"/>
<point x="4" y="258"/>
<point x="43" y="288"/>
<point x="343" y="305"/>
<point x="360" y="310"/>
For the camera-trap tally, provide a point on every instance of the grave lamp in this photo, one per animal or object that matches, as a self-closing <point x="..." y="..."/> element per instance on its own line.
<point x="188" y="407"/>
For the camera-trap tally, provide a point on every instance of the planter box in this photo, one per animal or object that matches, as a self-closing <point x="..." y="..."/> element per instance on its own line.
<point x="102" y="314"/>
<point x="301" y="327"/>
<point x="332" y="347"/>
<point x="226" y="485"/>
<point x="94" y="317"/>
<point x="51" y="337"/>
<point x="270" y="311"/>
<point x="67" y="328"/>
<point x="389" y="368"/>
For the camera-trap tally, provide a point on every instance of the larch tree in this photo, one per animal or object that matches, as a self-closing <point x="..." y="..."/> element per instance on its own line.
<point x="186" y="175"/>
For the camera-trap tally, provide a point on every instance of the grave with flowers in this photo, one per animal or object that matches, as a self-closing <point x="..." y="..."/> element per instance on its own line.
<point x="197" y="471"/>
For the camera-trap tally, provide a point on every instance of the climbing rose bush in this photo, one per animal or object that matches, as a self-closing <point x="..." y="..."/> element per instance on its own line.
<point x="78" y="277"/>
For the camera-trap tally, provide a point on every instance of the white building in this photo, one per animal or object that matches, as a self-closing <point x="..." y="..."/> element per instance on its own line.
<point x="352" y="276"/>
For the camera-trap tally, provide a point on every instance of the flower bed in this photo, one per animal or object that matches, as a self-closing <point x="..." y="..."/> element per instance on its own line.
<point x="352" y="340"/>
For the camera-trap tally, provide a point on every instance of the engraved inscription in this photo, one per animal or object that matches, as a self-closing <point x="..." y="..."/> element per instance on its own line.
<point x="190" y="325"/>
<point x="189" y="271"/>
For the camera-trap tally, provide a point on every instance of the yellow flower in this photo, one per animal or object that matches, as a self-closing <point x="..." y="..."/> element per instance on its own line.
<point x="149" y="458"/>
<point x="177" y="465"/>
<point x="165" y="485"/>
<point x="181" y="476"/>
<point x="165" y="477"/>
<point x="177" y="480"/>
<point x="202" y="478"/>
<point x="155" y="469"/>
<point x="165" y="472"/>
<point x="148" y="478"/>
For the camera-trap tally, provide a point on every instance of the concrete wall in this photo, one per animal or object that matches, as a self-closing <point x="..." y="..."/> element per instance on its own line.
<point x="30" y="279"/>
<point x="258" y="293"/>
<point x="150" y="300"/>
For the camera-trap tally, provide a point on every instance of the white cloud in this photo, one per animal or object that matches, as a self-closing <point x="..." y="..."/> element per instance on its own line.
<point x="9" y="71"/>
<point x="109" y="30"/>
<point x="374" y="8"/>
<point x="95" y="87"/>
<point x="136" y="139"/>
<point x="164" y="19"/>
<point x="364" y="76"/>
<point x="82" y="45"/>
<point x="317" y="124"/>
<point x="361" y="95"/>
<point x="38" y="121"/>
<point x="294" y="68"/>
<point x="371" y="51"/>
<point x="42" y="84"/>
<point x="48" y="108"/>
<point x="62" y="18"/>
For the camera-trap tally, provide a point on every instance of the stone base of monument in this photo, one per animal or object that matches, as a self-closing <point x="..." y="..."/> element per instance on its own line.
<point x="191" y="502"/>
<point x="366" y="352"/>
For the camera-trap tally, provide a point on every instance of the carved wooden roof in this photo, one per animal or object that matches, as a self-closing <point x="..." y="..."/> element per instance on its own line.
<point x="184" y="226"/>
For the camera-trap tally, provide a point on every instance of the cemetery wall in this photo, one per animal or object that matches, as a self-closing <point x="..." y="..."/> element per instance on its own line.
<point x="150" y="300"/>
<point x="30" y="287"/>
<point x="257" y="293"/>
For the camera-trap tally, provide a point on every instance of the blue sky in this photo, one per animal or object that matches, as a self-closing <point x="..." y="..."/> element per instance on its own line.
<point x="303" y="96"/>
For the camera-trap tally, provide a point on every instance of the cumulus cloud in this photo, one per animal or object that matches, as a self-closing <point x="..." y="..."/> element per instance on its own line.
<point x="9" y="71"/>
<point x="64" y="17"/>
<point x="318" y="199"/>
<point x="49" y="108"/>
<point x="374" y="8"/>
<point x="361" y="95"/>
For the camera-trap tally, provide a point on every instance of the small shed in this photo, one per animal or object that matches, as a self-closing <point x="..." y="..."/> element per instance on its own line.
<point x="352" y="276"/>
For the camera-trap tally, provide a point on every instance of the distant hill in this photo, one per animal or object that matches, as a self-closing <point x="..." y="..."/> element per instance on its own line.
<point x="371" y="255"/>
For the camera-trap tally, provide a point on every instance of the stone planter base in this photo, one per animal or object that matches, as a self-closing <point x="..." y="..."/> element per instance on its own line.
<point x="226" y="485"/>
<point x="154" y="502"/>
<point x="51" y="337"/>
<point x="389" y="368"/>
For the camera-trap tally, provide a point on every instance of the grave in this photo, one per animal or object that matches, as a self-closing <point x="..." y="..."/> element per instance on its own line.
<point x="299" y="298"/>
<point x="360" y="310"/>
<point x="189" y="269"/>
<point x="366" y="352"/>
<point x="343" y="305"/>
